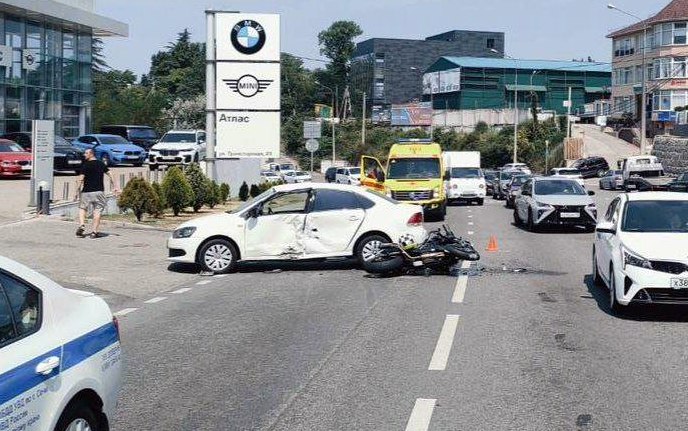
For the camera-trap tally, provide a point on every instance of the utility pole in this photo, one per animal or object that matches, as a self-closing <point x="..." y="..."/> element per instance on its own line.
<point x="546" y="155"/>
<point x="515" y="115"/>
<point x="363" y="121"/>
<point x="335" y="115"/>
<point x="568" y="116"/>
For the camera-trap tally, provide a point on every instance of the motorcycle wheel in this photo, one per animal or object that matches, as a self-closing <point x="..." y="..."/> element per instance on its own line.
<point x="384" y="266"/>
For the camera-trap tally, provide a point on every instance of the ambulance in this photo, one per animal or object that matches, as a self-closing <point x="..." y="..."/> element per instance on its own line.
<point x="60" y="356"/>
<point x="414" y="173"/>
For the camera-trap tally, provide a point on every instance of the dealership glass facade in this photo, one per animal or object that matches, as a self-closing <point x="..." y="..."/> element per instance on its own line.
<point x="59" y="88"/>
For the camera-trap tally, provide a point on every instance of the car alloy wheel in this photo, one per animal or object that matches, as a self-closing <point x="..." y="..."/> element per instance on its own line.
<point x="531" y="223"/>
<point x="614" y="305"/>
<point x="218" y="257"/>
<point x="370" y="250"/>
<point x="105" y="159"/>
<point x="596" y="279"/>
<point x="79" y="425"/>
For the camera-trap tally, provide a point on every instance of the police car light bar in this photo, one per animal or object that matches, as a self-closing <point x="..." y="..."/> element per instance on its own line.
<point x="415" y="141"/>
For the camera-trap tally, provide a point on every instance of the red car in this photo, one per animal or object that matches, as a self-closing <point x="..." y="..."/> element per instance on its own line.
<point x="14" y="161"/>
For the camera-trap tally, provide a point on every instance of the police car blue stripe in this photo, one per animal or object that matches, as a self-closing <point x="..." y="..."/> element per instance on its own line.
<point x="24" y="377"/>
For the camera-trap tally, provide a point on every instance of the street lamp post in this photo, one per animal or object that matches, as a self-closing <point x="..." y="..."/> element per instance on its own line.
<point x="643" y="89"/>
<point x="334" y="108"/>
<point x="515" y="103"/>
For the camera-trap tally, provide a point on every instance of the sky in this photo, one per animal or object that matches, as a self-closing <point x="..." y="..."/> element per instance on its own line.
<point x="535" y="29"/>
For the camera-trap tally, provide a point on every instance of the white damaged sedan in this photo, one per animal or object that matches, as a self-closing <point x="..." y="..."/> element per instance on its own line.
<point x="294" y="222"/>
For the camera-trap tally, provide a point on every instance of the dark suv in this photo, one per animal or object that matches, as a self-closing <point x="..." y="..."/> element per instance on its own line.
<point x="143" y="136"/>
<point x="589" y="167"/>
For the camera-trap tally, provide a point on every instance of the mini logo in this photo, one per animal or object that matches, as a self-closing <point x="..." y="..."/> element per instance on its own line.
<point x="248" y="37"/>
<point x="248" y="85"/>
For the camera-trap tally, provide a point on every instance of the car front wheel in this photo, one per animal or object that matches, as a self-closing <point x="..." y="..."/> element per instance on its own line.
<point x="596" y="278"/>
<point x="368" y="249"/>
<point x="79" y="416"/>
<point x="218" y="256"/>
<point x="531" y="223"/>
<point x="105" y="159"/>
<point x="614" y="305"/>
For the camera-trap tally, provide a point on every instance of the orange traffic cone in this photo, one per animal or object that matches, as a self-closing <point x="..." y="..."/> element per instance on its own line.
<point x="492" y="245"/>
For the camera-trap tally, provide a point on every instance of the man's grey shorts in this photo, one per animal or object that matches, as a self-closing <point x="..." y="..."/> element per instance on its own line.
<point x="95" y="200"/>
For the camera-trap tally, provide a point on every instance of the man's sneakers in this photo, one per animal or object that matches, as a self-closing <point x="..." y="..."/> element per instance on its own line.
<point x="95" y="235"/>
<point x="80" y="231"/>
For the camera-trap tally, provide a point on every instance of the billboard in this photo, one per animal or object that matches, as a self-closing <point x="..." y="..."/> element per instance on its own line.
<point x="412" y="114"/>
<point x="248" y="86"/>
<point x="381" y="114"/>
<point x="444" y="81"/>
<point x="247" y="134"/>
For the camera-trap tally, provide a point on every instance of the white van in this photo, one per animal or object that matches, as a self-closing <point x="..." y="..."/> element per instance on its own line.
<point x="465" y="180"/>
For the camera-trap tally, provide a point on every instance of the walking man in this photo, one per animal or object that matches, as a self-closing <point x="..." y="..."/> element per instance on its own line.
<point x="92" y="192"/>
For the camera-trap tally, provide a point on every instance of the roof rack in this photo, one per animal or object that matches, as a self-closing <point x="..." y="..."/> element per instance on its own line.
<point x="415" y="141"/>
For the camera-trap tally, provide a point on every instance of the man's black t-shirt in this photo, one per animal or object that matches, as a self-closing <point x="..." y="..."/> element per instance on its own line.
<point x="93" y="171"/>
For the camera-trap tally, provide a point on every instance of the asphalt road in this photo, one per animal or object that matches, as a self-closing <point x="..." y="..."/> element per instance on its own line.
<point x="528" y="345"/>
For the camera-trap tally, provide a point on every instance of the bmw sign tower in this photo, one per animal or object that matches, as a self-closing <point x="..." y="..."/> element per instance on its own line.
<point x="243" y="94"/>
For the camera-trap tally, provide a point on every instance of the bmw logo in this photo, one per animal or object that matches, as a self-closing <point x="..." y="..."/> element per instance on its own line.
<point x="248" y="37"/>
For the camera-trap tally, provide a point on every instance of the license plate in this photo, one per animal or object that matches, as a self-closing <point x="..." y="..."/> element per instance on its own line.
<point x="26" y="168"/>
<point x="73" y="162"/>
<point x="679" y="283"/>
<point x="132" y="157"/>
<point x="569" y="215"/>
<point x="630" y="186"/>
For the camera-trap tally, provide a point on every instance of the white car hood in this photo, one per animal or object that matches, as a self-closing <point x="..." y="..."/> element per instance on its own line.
<point x="657" y="246"/>
<point x="212" y="221"/>
<point x="174" y="146"/>
<point x="564" y="200"/>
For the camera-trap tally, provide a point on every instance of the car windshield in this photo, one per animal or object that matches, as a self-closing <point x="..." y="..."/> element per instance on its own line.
<point x="286" y="167"/>
<point x="567" y="172"/>
<point x="301" y="173"/>
<point x="10" y="148"/>
<point x="508" y="175"/>
<point x="519" y="181"/>
<point x="413" y="168"/>
<point x="179" y="137"/>
<point x="142" y="133"/>
<point x="112" y="140"/>
<point x="248" y="203"/>
<point x="558" y="187"/>
<point x="656" y="216"/>
<point x="489" y="176"/>
<point x="355" y="171"/>
<point x="465" y="173"/>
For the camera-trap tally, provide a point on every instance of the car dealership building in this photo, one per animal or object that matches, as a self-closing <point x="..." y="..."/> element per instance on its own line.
<point x="46" y="60"/>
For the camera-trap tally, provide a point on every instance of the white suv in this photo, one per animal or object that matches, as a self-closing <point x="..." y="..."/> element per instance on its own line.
<point x="641" y="249"/>
<point x="178" y="147"/>
<point x="350" y="175"/>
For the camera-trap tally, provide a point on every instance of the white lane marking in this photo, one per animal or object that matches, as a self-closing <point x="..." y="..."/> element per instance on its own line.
<point x="155" y="300"/>
<point x="439" y="359"/>
<point x="470" y="232"/>
<point x="461" y="283"/>
<point x="202" y="282"/>
<point x="421" y="414"/>
<point x="470" y="216"/>
<point x="470" y="223"/>
<point x="182" y="290"/>
<point x="221" y="275"/>
<point x="124" y="312"/>
<point x="465" y="264"/>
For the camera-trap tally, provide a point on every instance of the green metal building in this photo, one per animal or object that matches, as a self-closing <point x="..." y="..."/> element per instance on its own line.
<point x="489" y="83"/>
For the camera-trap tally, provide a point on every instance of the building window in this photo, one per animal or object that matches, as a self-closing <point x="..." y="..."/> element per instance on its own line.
<point x="490" y="43"/>
<point x="623" y="47"/>
<point x="668" y="34"/>
<point x="667" y="67"/>
<point x="680" y="33"/>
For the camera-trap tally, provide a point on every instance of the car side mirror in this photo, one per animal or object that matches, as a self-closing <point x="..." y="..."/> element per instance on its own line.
<point x="591" y="193"/>
<point x="606" y="227"/>
<point x="253" y="212"/>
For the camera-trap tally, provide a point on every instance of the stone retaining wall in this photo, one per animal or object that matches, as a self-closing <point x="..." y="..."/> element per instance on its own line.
<point x="672" y="151"/>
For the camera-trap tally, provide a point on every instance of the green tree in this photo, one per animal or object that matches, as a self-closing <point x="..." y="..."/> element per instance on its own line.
<point x="177" y="190"/>
<point x="243" y="191"/>
<point x="255" y="190"/>
<point x="212" y="194"/>
<point x="337" y="44"/>
<point x="161" y="203"/>
<point x="199" y="185"/>
<point x="98" y="61"/>
<point x="179" y="70"/>
<point x="224" y="192"/>
<point x="139" y="197"/>
<point x="299" y="91"/>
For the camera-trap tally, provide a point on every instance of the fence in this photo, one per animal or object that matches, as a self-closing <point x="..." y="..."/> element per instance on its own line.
<point x="65" y="188"/>
<point x="573" y="148"/>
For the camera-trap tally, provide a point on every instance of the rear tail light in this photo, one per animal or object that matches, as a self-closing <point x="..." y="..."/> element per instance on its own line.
<point x="115" y="322"/>
<point x="416" y="220"/>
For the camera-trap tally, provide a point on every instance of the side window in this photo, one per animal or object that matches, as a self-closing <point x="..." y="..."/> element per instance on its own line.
<point x="528" y="186"/>
<point x="24" y="303"/>
<point x="332" y="200"/>
<point x="201" y="137"/>
<point x="340" y="171"/>
<point x="287" y="203"/>
<point x="7" y="332"/>
<point x="84" y="139"/>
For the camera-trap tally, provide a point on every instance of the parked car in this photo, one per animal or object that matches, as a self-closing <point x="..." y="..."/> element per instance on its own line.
<point x="143" y="136"/>
<point x="612" y="180"/>
<point x="501" y="182"/>
<point x="112" y="149"/>
<point x="570" y="173"/>
<point x="297" y="177"/>
<point x="490" y="175"/>
<point x="283" y="169"/>
<point x="514" y="189"/>
<point x="178" y="147"/>
<point x="269" y="177"/>
<point x="331" y="174"/>
<point x="350" y="175"/>
<point x="552" y="201"/>
<point x="517" y="166"/>
<point x="589" y="167"/>
<point x="680" y="184"/>
<point x="61" y="356"/>
<point x="296" y="221"/>
<point x="66" y="157"/>
<point x="14" y="161"/>
<point x="640" y="247"/>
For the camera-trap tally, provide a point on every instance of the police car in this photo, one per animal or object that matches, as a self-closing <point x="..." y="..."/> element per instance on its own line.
<point x="60" y="365"/>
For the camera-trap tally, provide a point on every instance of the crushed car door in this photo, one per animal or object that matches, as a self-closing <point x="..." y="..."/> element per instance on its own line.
<point x="332" y="222"/>
<point x="372" y="174"/>
<point x="275" y="229"/>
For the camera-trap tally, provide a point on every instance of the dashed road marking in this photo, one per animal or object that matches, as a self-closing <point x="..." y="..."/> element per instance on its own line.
<point x="470" y="216"/>
<point x="470" y="223"/>
<point x="202" y="282"/>
<point x="182" y="290"/>
<point x="461" y="283"/>
<point x="155" y="300"/>
<point x="221" y="275"/>
<point x="124" y="312"/>
<point x="439" y="359"/>
<point x="421" y="414"/>
<point x="470" y="232"/>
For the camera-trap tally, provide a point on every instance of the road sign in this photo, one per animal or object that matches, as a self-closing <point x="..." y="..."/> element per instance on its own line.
<point x="312" y="129"/>
<point x="312" y="145"/>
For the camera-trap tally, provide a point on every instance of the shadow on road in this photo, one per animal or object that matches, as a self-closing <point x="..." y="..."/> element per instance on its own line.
<point x="276" y="266"/>
<point x="575" y="230"/>
<point x="637" y="312"/>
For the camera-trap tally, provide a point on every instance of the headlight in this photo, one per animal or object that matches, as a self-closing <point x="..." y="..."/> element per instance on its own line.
<point x="436" y="191"/>
<point x="633" y="259"/>
<point x="8" y="163"/>
<point x="184" y="232"/>
<point x="388" y="192"/>
<point x="543" y="206"/>
<point x="186" y="150"/>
